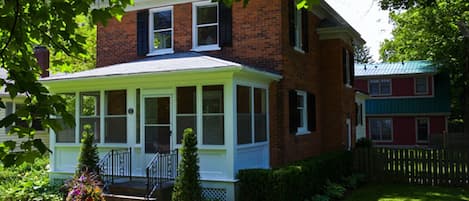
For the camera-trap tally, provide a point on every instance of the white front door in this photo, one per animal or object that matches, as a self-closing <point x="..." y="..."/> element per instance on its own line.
<point x="156" y="124"/>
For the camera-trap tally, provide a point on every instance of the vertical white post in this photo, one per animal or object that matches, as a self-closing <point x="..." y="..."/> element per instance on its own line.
<point x="229" y="99"/>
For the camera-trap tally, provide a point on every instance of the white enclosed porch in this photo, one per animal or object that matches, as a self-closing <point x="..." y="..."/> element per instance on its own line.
<point x="144" y="106"/>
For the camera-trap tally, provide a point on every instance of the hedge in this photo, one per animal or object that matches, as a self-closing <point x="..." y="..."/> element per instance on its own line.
<point x="295" y="182"/>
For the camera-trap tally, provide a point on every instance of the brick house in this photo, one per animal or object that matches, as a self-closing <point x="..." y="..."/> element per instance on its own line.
<point x="408" y="102"/>
<point x="262" y="86"/>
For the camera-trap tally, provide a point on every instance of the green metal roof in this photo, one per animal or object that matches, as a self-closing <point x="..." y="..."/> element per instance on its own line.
<point x="398" y="68"/>
<point x="440" y="103"/>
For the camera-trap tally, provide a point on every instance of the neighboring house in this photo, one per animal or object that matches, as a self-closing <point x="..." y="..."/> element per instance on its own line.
<point x="409" y="101"/>
<point x="262" y="86"/>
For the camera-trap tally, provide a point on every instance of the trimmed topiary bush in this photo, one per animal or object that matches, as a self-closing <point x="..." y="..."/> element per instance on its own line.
<point x="187" y="186"/>
<point x="89" y="158"/>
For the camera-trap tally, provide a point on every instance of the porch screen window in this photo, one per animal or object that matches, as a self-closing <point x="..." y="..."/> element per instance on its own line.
<point x="90" y="112"/>
<point x="422" y="130"/>
<point x="380" y="87"/>
<point x="244" y="116"/>
<point x="206" y="24"/>
<point x="116" y="119"/>
<point x="186" y="116"/>
<point x="212" y="115"/>
<point x="381" y="129"/>
<point x="260" y="115"/>
<point x="161" y="36"/>
<point x="421" y="85"/>
<point x="67" y="133"/>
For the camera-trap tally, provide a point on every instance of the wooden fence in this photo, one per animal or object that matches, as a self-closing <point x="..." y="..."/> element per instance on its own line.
<point x="414" y="166"/>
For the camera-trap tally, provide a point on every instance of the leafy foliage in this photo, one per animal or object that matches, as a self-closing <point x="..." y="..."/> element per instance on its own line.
<point x="362" y="54"/>
<point x="295" y="182"/>
<point x="187" y="186"/>
<point x="432" y="31"/>
<point x="89" y="158"/>
<point x="334" y="190"/>
<point x="28" y="181"/>
<point x="25" y="24"/>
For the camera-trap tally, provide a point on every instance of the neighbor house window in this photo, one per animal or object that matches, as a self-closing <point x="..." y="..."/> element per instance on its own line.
<point x="186" y="116"/>
<point x="381" y="129"/>
<point x="422" y="129"/>
<point x="67" y="133"/>
<point x="251" y="114"/>
<point x="421" y="85"/>
<point x="90" y="112"/>
<point x="116" y="119"/>
<point x="205" y="31"/>
<point x="161" y="30"/>
<point x="213" y="115"/>
<point x="380" y="87"/>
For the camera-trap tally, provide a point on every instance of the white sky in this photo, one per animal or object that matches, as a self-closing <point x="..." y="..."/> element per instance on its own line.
<point x="368" y="19"/>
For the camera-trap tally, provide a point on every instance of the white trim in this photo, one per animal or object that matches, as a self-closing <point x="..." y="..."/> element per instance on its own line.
<point x="151" y="32"/>
<point x="380" y="94"/>
<point x="382" y="118"/>
<point x="417" y="129"/>
<point x="426" y="84"/>
<point x="195" y="46"/>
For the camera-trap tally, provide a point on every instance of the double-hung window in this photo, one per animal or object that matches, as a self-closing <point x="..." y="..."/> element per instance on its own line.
<point x="206" y="25"/>
<point x="301" y="107"/>
<point x="302" y="115"/>
<point x="90" y="113"/>
<point x="422" y="129"/>
<point x="421" y="85"/>
<point x="380" y="87"/>
<point x="381" y="129"/>
<point x="251" y="104"/>
<point x="161" y="31"/>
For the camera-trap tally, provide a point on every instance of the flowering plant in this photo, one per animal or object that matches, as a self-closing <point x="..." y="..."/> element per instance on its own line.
<point x="85" y="187"/>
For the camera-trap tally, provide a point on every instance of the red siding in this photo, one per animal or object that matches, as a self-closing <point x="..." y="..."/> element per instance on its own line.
<point x="400" y="86"/>
<point x="362" y="85"/>
<point x="437" y="124"/>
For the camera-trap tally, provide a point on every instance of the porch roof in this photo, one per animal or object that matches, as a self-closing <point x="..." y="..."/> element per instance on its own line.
<point x="188" y="61"/>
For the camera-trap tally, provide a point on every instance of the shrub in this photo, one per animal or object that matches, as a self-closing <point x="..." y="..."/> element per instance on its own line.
<point x="85" y="187"/>
<point x="364" y="143"/>
<point x="296" y="182"/>
<point x="187" y="186"/>
<point x="354" y="180"/>
<point x="89" y="158"/>
<point x="320" y="198"/>
<point x="334" y="190"/>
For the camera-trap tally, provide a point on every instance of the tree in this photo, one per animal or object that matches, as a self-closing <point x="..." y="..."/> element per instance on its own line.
<point x="89" y="158"/>
<point x="187" y="186"/>
<point x="25" y="24"/>
<point x="362" y="54"/>
<point x="431" y="30"/>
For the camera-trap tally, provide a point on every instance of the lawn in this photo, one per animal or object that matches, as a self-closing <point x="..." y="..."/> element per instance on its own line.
<point x="404" y="192"/>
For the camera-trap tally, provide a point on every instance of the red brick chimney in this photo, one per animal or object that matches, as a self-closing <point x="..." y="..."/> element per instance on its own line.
<point x="42" y="55"/>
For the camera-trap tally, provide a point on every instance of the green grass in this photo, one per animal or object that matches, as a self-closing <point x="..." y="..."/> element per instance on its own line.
<point x="404" y="192"/>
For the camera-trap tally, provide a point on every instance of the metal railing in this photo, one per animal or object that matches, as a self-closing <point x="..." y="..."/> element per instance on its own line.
<point x="160" y="170"/>
<point x="116" y="164"/>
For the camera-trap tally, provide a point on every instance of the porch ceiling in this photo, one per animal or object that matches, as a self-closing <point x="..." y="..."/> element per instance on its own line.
<point x="178" y="62"/>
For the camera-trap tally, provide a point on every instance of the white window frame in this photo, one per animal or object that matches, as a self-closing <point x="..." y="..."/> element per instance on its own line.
<point x="426" y="85"/>
<point x="379" y="84"/>
<point x="417" y="129"/>
<point x="108" y="116"/>
<point x="303" y="129"/>
<point x="298" y="30"/>
<point x="253" y="114"/>
<point x="381" y="132"/>
<point x="195" y="46"/>
<point x="151" y="32"/>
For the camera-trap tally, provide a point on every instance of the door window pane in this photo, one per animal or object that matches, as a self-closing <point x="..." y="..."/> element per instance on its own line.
<point x="157" y="110"/>
<point x="157" y="125"/>
<point x="157" y="139"/>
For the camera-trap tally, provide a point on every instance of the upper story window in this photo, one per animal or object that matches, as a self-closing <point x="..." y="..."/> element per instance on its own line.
<point x="302" y="112"/>
<point x="161" y="31"/>
<point x="347" y="65"/>
<point x="205" y="30"/>
<point x="298" y="27"/>
<point x="421" y="85"/>
<point x="380" y="87"/>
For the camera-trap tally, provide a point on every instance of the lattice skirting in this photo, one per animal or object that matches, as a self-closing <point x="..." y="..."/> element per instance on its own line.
<point x="214" y="194"/>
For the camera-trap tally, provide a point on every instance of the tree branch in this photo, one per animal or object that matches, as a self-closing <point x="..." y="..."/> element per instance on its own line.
<point x="17" y="14"/>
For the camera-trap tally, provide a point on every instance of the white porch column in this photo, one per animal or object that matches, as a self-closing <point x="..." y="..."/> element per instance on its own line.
<point x="230" y="135"/>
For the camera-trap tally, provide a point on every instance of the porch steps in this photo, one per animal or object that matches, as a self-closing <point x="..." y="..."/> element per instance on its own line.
<point x="136" y="190"/>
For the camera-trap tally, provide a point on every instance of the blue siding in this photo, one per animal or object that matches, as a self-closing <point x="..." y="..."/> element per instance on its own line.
<point x="440" y="103"/>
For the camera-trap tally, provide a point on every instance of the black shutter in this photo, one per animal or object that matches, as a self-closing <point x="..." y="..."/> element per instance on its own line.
<point x="357" y="110"/>
<point x="344" y="65"/>
<point x="304" y="26"/>
<point x="142" y="33"/>
<point x="311" y="112"/>
<point x="291" y="21"/>
<point x="226" y="24"/>
<point x="352" y="68"/>
<point x="294" y="114"/>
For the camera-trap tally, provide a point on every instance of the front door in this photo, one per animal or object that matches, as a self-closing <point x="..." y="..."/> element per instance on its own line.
<point x="156" y="125"/>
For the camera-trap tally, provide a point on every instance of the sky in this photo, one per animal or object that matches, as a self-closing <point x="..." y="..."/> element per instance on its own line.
<point x="368" y="19"/>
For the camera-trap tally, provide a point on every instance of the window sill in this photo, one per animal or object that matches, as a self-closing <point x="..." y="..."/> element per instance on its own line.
<point x="348" y="86"/>
<point x="299" y="133"/>
<point x="298" y="49"/>
<point x="161" y="52"/>
<point x="206" y="48"/>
